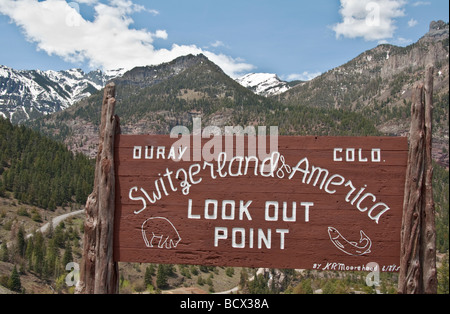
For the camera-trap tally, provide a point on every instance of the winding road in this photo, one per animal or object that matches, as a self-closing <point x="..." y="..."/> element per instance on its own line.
<point x="56" y="221"/>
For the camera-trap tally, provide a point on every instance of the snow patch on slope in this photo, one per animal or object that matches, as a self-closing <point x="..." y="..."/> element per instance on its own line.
<point x="264" y="84"/>
<point x="26" y="95"/>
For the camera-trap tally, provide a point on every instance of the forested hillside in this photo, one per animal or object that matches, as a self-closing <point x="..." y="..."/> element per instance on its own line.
<point x="193" y="86"/>
<point x="40" y="171"/>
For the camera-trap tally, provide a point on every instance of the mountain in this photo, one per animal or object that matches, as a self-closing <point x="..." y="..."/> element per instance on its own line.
<point x="264" y="84"/>
<point x="369" y="95"/>
<point x="154" y="99"/>
<point x="378" y="84"/>
<point x="30" y="94"/>
<point x="384" y="74"/>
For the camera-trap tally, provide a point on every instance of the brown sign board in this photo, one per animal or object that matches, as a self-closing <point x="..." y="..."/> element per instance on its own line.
<point x="325" y="203"/>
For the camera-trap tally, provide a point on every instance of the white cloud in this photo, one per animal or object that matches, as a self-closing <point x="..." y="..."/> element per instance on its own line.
<point x="108" y="41"/>
<point x="154" y="12"/>
<point x="305" y="76"/>
<point x="87" y="1"/>
<point x="162" y="34"/>
<point x="400" y="41"/>
<point x="412" y="22"/>
<point x="419" y="3"/>
<point x="369" y="19"/>
<point x="217" y="44"/>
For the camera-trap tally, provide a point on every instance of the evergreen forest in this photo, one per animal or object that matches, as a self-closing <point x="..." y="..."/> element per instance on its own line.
<point x="40" y="171"/>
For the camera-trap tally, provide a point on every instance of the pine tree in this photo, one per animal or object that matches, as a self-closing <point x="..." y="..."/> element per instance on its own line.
<point x="243" y="278"/>
<point x="59" y="236"/>
<point x="14" y="283"/>
<point x="50" y="259"/>
<point x="258" y="285"/>
<point x="21" y="245"/>
<point x="67" y="258"/>
<point x="152" y="269"/>
<point x="29" y="252"/>
<point x="161" y="277"/>
<point x="50" y="229"/>
<point x="38" y="253"/>
<point x="2" y="187"/>
<point x="148" y="276"/>
<point x="443" y="286"/>
<point x="4" y="255"/>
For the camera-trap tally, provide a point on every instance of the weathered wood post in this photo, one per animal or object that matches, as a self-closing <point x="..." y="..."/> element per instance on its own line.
<point x="418" y="252"/>
<point x="99" y="272"/>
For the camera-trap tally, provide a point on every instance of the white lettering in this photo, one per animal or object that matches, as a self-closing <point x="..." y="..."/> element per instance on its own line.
<point x="360" y="157"/>
<point x="241" y="237"/>
<point x="147" y="155"/>
<point x="263" y="238"/>
<point x="220" y="233"/>
<point x="358" y="205"/>
<point x="376" y="155"/>
<point x="239" y="172"/>
<point x="275" y="212"/>
<point x="137" y="152"/>
<point x="332" y="182"/>
<point x="140" y="198"/>
<point x="351" y="156"/>
<point x="320" y="171"/>
<point x="232" y="206"/>
<point x="172" y="154"/>
<point x="282" y="232"/>
<point x="215" y="205"/>
<point x="243" y="209"/>
<point x="235" y="244"/>
<point x="335" y="157"/>
<point x="293" y="217"/>
<point x="377" y="217"/>
<point x="307" y="206"/>
<point x="190" y="215"/>
<point x="305" y="171"/>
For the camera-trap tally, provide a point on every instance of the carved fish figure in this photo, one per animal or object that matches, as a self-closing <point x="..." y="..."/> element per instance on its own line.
<point x="350" y="248"/>
<point x="161" y="230"/>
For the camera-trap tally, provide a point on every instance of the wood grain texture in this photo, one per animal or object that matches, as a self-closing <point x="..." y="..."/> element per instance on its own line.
<point x="231" y="220"/>
<point x="99" y="271"/>
<point x="418" y="250"/>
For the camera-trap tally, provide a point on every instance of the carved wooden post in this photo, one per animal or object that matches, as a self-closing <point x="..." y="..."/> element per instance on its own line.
<point x="99" y="272"/>
<point x="418" y="253"/>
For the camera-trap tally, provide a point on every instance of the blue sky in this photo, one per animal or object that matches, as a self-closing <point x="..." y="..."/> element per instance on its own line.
<point x="294" y="39"/>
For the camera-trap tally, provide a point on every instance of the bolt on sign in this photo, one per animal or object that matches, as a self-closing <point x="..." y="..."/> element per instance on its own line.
<point x="326" y="203"/>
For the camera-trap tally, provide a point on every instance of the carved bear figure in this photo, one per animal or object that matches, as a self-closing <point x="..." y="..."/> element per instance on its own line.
<point x="160" y="232"/>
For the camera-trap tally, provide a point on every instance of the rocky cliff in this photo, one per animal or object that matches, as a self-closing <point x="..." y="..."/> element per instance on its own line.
<point x="378" y="83"/>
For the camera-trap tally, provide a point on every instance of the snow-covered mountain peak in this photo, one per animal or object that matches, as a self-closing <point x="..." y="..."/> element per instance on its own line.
<point x="265" y="84"/>
<point x="112" y="74"/>
<point x="29" y="94"/>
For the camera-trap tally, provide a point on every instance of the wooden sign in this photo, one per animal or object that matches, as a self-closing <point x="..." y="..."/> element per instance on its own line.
<point x="326" y="203"/>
